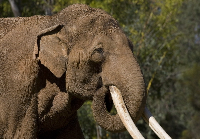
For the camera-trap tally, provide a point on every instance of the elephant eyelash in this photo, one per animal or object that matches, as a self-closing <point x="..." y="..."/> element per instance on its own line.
<point x="98" y="50"/>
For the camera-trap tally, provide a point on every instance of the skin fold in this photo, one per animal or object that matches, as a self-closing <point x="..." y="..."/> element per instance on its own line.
<point x="50" y="65"/>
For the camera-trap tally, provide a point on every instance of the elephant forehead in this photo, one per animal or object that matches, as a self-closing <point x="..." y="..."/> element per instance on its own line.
<point x="92" y="24"/>
<point x="115" y="43"/>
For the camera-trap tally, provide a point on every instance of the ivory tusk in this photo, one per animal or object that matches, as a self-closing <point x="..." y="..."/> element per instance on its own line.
<point x="123" y="113"/>
<point x="160" y="132"/>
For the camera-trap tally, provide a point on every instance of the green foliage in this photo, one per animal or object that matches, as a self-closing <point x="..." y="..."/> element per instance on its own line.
<point x="27" y="8"/>
<point x="188" y="86"/>
<point x="61" y="4"/>
<point x="86" y="120"/>
<point x="189" y="26"/>
<point x="191" y="82"/>
<point x="156" y="39"/>
<point x="33" y="7"/>
<point x="5" y="9"/>
<point x="186" y="135"/>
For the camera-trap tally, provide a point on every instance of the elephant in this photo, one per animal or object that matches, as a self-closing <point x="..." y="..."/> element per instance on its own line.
<point x="50" y="65"/>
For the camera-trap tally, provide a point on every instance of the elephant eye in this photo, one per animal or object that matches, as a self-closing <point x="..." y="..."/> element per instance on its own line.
<point x="97" y="55"/>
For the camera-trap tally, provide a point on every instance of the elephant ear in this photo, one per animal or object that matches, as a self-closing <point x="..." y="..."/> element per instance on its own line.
<point x="51" y="51"/>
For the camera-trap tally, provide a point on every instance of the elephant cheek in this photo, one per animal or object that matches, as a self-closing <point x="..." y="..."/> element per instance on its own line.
<point x="107" y="121"/>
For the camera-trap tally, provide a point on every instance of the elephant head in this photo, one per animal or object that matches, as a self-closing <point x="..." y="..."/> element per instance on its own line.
<point x="90" y="49"/>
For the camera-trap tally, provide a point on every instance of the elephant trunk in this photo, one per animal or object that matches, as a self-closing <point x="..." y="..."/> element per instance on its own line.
<point x="124" y="73"/>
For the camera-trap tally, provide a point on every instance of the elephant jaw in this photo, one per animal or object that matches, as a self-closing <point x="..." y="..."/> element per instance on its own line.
<point x="127" y="121"/>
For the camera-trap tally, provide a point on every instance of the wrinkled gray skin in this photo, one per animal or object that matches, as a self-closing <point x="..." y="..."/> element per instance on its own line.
<point x="49" y="65"/>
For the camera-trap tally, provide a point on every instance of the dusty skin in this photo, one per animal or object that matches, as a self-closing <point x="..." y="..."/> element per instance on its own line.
<point x="49" y="65"/>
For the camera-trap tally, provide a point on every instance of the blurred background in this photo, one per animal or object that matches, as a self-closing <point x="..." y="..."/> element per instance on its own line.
<point x="166" y="39"/>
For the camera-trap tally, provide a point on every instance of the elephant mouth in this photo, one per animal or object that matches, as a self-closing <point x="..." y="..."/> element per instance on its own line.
<point x="112" y="95"/>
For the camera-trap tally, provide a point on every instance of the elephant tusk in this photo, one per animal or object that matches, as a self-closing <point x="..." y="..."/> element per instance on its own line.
<point x="160" y="132"/>
<point x="123" y="113"/>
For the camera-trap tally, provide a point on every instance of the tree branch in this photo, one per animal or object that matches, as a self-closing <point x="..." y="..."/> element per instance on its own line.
<point x="15" y="8"/>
